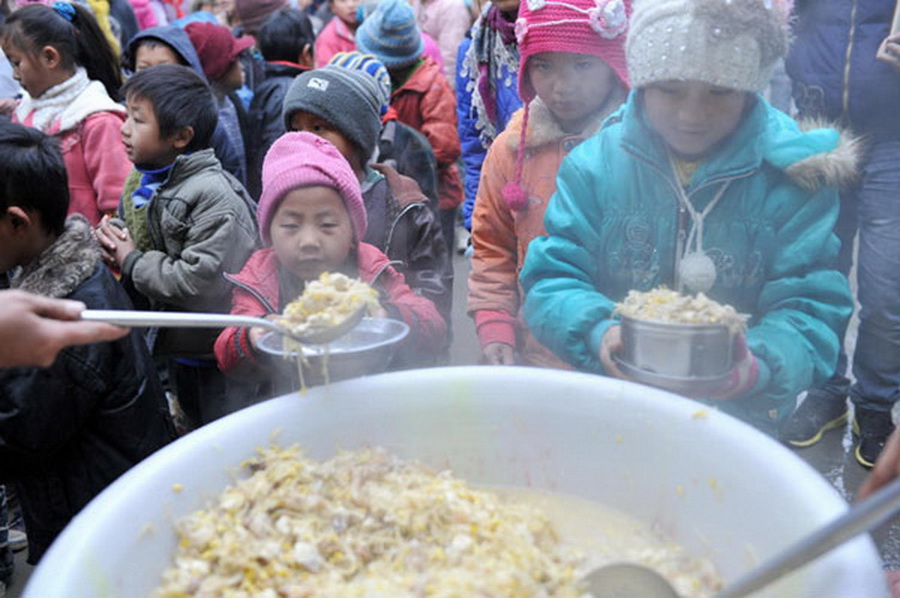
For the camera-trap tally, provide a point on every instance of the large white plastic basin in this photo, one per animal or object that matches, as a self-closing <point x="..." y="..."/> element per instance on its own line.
<point x="717" y="485"/>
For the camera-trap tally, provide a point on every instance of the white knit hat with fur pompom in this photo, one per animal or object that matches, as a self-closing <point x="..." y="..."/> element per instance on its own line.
<point x="729" y="43"/>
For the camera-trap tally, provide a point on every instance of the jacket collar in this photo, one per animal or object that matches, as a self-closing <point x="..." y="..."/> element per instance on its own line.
<point x="422" y="79"/>
<point x="812" y="155"/>
<point x="544" y="129"/>
<point x="65" y="265"/>
<point x="740" y="154"/>
<point x="188" y="165"/>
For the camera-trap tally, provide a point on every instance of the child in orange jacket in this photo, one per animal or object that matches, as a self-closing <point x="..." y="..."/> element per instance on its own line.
<point x="572" y="76"/>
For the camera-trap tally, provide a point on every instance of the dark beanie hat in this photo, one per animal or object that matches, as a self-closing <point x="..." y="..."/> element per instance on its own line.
<point x="347" y="99"/>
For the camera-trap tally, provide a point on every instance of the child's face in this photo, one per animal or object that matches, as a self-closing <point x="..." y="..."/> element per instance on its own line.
<point x="140" y="134"/>
<point x="154" y="55"/>
<point x="310" y="123"/>
<point x="345" y="10"/>
<point x="33" y="71"/>
<point x="573" y="86"/>
<point x="233" y="79"/>
<point x="311" y="231"/>
<point x="693" y="117"/>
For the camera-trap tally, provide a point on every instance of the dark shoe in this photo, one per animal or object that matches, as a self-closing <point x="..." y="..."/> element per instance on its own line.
<point x="819" y="412"/>
<point x="873" y="428"/>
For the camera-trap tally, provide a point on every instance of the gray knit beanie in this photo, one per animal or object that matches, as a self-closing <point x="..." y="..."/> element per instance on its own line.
<point x="729" y="43"/>
<point x="347" y="99"/>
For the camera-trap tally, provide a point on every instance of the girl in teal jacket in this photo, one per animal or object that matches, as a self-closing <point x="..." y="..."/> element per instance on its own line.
<point x="699" y="184"/>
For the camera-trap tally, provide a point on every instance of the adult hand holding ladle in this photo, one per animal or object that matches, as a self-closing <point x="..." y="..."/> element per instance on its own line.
<point x="632" y="580"/>
<point x="152" y="319"/>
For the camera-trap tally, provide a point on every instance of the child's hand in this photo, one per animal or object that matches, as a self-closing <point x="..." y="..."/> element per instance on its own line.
<point x="116" y="242"/>
<point x="7" y="106"/>
<point x="745" y="372"/>
<point x="889" y="51"/>
<point x="498" y="354"/>
<point x="887" y="467"/>
<point x="609" y="346"/>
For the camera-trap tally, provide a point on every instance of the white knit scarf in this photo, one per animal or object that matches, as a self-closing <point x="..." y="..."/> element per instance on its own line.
<point x="46" y="109"/>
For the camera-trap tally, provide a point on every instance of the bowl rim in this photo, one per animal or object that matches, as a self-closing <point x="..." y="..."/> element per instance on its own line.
<point x="80" y="559"/>
<point x="661" y="324"/>
<point x="269" y="341"/>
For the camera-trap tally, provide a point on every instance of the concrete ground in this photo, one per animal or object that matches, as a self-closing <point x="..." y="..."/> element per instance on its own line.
<point x="832" y="457"/>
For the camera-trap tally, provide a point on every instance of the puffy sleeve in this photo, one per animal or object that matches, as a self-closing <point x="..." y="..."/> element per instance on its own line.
<point x="563" y="307"/>
<point x="805" y="304"/>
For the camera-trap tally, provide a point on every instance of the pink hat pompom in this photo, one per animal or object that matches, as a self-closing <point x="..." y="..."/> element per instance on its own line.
<point x="515" y="196"/>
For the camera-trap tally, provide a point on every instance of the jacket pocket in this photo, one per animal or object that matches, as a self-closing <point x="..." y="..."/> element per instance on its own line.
<point x="174" y="232"/>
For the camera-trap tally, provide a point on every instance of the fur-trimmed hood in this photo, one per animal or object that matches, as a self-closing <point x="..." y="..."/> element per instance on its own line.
<point x="63" y="266"/>
<point x="801" y="156"/>
<point x="543" y="128"/>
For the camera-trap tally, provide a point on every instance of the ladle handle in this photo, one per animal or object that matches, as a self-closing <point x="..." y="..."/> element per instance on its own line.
<point x="150" y="319"/>
<point x="868" y="514"/>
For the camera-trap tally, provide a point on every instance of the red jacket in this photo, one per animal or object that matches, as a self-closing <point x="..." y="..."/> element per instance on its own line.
<point x="426" y="103"/>
<point x="90" y="138"/>
<point x="256" y="294"/>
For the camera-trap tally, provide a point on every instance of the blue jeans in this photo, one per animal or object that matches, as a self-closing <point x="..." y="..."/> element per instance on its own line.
<point x="872" y="207"/>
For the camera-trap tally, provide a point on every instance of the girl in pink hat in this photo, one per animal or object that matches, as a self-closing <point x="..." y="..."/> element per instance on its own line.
<point x="572" y="75"/>
<point x="312" y="216"/>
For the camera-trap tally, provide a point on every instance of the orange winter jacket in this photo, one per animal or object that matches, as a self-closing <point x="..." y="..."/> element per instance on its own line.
<point x="500" y="235"/>
<point x="426" y="103"/>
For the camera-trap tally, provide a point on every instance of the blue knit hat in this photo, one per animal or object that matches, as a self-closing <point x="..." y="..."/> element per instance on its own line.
<point x="357" y="61"/>
<point x="390" y="33"/>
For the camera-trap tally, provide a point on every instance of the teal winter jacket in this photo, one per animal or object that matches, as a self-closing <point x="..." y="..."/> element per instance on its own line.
<point x="615" y="224"/>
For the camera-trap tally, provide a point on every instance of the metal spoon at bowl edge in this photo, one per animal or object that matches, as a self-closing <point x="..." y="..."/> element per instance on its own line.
<point x="153" y="319"/>
<point x="629" y="579"/>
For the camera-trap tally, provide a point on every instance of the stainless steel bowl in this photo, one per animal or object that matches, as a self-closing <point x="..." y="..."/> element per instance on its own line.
<point x="366" y="349"/>
<point x="682" y="351"/>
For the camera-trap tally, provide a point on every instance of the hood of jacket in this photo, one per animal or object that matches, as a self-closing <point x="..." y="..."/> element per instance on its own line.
<point x="64" y="265"/>
<point x="173" y="37"/>
<point x="544" y="129"/>
<point x="810" y="155"/>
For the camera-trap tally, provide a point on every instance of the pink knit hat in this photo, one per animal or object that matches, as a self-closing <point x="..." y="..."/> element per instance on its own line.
<point x="590" y="27"/>
<point x="306" y="160"/>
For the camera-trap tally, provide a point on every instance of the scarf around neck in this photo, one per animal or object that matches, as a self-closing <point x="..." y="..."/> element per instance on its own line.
<point x="151" y="180"/>
<point x="43" y="113"/>
<point x="492" y="60"/>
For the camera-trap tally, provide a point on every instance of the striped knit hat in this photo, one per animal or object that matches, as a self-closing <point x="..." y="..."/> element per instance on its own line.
<point x="306" y="160"/>
<point x="391" y="34"/>
<point x="357" y="61"/>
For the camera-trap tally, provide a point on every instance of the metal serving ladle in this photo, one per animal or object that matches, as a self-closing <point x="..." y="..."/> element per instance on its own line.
<point x="628" y="579"/>
<point x="154" y="319"/>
